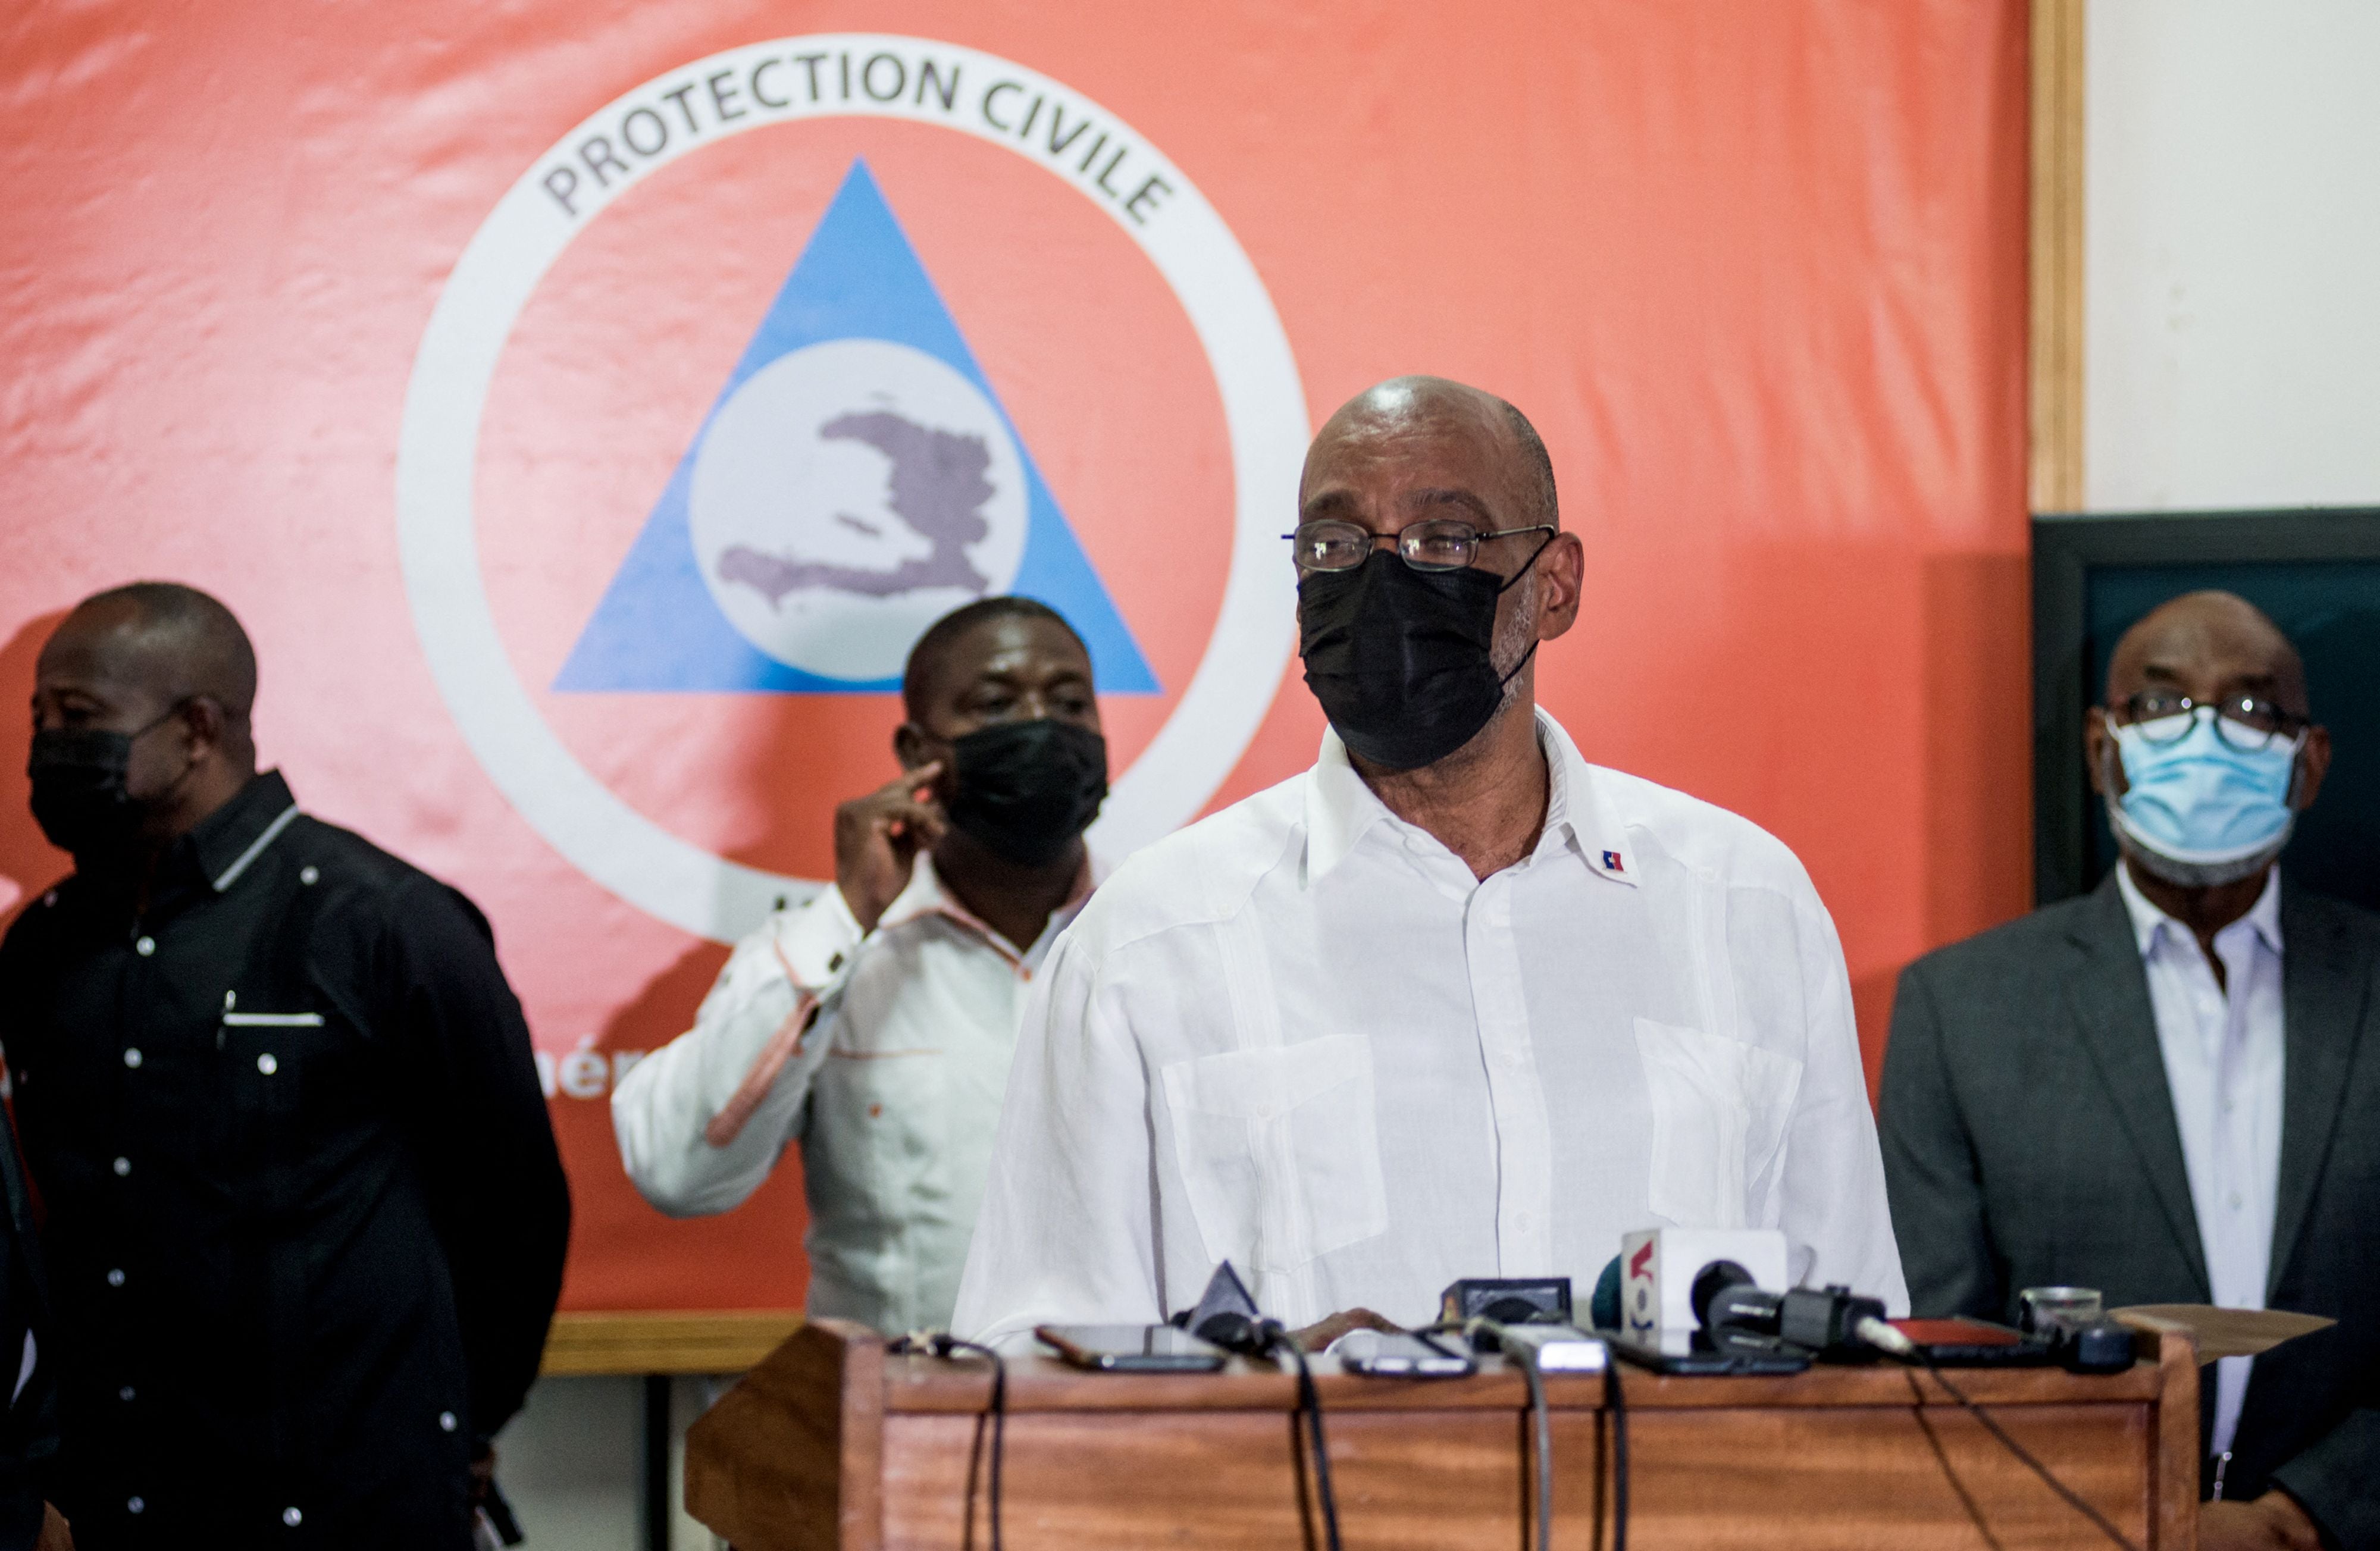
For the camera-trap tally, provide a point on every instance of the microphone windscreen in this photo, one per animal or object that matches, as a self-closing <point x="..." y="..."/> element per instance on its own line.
<point x="1604" y="1307"/>
<point x="1714" y="1280"/>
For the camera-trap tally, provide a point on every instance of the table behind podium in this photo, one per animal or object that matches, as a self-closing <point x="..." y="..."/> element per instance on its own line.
<point x="829" y="1443"/>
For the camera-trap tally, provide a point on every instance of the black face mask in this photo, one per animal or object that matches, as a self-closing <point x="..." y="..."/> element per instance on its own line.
<point x="1403" y="661"/>
<point x="80" y="798"/>
<point x="1027" y="789"/>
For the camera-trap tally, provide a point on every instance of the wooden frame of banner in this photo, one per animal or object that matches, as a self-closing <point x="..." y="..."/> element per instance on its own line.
<point x="2055" y="268"/>
<point x="724" y="1341"/>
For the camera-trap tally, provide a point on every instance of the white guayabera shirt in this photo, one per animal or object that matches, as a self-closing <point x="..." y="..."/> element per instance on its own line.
<point x="1300" y="1037"/>
<point x="894" y="1091"/>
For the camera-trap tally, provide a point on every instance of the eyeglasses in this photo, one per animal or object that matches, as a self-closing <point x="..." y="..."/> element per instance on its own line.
<point x="1440" y="544"/>
<point x="2243" y="721"/>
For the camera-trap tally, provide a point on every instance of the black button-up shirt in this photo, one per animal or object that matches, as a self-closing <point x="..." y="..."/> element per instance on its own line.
<point x="306" y="1219"/>
<point x="29" y="1423"/>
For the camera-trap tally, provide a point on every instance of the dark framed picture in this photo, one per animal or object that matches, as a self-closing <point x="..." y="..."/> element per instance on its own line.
<point x="2315" y="571"/>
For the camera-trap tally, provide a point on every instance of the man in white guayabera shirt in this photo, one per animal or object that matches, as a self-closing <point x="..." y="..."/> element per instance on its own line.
<point x="874" y="1025"/>
<point x="1452" y="1004"/>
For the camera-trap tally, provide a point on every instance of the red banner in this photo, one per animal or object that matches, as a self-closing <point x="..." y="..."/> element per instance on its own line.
<point x="452" y="348"/>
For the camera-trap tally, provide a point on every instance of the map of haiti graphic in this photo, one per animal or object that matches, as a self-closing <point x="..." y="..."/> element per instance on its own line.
<point x="938" y="487"/>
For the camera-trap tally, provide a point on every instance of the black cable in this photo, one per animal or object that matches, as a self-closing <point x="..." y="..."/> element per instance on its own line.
<point x="1918" y="1355"/>
<point x="943" y="1345"/>
<point x="1309" y="1400"/>
<point x="1544" y="1431"/>
<point x="1615" y="1400"/>
<point x="1541" y="1421"/>
<point x="1974" y="1512"/>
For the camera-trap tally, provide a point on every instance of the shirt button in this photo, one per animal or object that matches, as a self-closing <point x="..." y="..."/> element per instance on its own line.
<point x="122" y="1166"/>
<point x="116" y="1277"/>
<point x="292" y="1518"/>
<point x="132" y="1055"/>
<point x="145" y="947"/>
<point x="309" y="874"/>
<point x="445" y="1421"/>
<point x="125" y="1393"/>
<point x="2235" y="1201"/>
<point x="134" y="1504"/>
<point x="266" y="1064"/>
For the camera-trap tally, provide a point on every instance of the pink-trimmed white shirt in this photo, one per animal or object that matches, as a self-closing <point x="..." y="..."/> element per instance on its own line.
<point x="893" y="1089"/>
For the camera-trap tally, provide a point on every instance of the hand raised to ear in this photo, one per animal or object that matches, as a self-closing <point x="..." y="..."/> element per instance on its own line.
<point x="877" y="839"/>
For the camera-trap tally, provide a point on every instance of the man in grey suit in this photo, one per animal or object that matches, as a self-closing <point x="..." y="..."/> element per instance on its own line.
<point x="2168" y="1088"/>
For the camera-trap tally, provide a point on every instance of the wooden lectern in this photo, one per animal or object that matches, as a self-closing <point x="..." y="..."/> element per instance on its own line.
<point x="829" y="1443"/>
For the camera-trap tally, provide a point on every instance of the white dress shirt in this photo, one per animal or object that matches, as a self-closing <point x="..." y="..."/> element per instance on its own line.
<point x="1300" y="1037"/>
<point x="2223" y="1061"/>
<point x="894" y="1091"/>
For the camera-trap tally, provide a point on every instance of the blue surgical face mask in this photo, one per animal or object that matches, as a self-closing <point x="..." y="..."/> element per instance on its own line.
<point x="2200" y="802"/>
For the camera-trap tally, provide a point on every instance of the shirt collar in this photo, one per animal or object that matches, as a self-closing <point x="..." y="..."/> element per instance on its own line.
<point x="926" y="896"/>
<point x="225" y="843"/>
<point x="1582" y="806"/>
<point x="2264" y="915"/>
<point x="1340" y="809"/>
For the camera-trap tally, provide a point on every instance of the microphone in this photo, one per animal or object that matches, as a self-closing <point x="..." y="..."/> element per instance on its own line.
<point x="1228" y="1316"/>
<point x="1835" y="1322"/>
<point x="1603" y="1309"/>
<point x="1660" y="1266"/>
<point x="1504" y="1300"/>
<point x="1234" y="1331"/>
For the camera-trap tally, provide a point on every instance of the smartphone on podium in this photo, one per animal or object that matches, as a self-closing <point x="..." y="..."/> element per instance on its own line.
<point x="1396" y="1354"/>
<point x="1131" y="1349"/>
<point x="1692" y="1351"/>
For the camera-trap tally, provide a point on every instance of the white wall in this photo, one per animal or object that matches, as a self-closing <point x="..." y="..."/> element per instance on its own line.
<point x="2232" y="253"/>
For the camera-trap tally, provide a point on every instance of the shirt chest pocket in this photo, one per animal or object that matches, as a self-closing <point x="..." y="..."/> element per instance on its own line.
<point x="1719" y="1114"/>
<point x="269" y="1062"/>
<point x="885" y="1113"/>
<point x="1279" y="1150"/>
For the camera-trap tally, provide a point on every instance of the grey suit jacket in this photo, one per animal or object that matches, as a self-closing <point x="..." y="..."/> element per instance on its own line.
<point x="2029" y="1140"/>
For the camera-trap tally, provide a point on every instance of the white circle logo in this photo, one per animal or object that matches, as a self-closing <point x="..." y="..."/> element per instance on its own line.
<point x="849" y="494"/>
<point x="794" y="493"/>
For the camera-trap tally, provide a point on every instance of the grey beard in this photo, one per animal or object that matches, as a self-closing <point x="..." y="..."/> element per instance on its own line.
<point x="2194" y="875"/>
<point x="1510" y="647"/>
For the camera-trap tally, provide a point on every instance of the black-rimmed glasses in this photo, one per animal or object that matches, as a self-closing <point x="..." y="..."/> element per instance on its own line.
<point x="1438" y="544"/>
<point x="2246" y="722"/>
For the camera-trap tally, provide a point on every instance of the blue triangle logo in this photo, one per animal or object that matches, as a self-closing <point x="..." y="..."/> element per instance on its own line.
<point x="664" y="621"/>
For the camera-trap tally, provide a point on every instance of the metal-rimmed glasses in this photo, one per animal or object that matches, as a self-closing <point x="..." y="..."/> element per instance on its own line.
<point x="2246" y="722"/>
<point x="1438" y="544"/>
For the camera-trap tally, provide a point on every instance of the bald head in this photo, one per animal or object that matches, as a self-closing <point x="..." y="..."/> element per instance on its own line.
<point x="2208" y="646"/>
<point x="173" y="641"/>
<point x="1409" y="414"/>
<point x="127" y="657"/>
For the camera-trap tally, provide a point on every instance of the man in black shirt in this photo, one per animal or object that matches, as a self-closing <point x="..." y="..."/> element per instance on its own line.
<point x="28" y="1422"/>
<point x="306" y="1219"/>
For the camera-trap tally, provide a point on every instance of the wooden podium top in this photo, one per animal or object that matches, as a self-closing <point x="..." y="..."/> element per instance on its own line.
<point x="915" y="1385"/>
<point x="831" y="1444"/>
